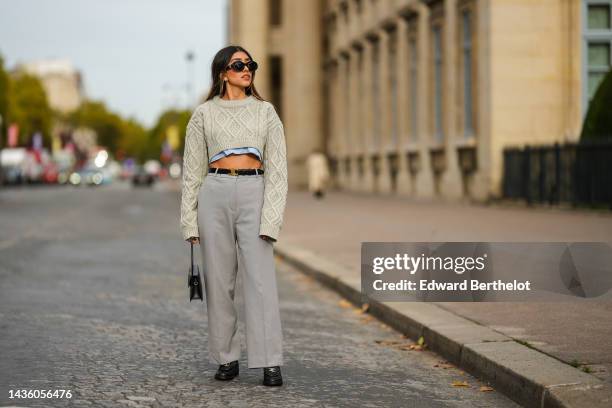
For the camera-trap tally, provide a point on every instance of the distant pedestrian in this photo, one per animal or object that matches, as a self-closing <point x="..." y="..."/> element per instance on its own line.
<point x="318" y="173"/>
<point x="236" y="209"/>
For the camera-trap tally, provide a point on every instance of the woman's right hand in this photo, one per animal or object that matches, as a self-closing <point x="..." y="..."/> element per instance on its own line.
<point x="194" y="240"/>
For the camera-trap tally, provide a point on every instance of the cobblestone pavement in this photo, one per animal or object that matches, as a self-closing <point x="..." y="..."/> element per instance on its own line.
<point x="93" y="300"/>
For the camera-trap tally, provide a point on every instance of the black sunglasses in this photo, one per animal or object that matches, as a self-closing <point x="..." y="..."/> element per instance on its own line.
<point x="238" y="66"/>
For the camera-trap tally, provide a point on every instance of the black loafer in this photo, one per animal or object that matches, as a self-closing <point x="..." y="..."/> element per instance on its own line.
<point x="272" y="376"/>
<point x="227" y="371"/>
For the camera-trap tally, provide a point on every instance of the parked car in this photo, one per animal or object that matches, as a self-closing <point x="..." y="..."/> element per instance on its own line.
<point x="128" y="168"/>
<point x="65" y="165"/>
<point x="32" y="167"/>
<point x="50" y="173"/>
<point x="142" y="177"/>
<point x="87" y="176"/>
<point x="152" y="167"/>
<point x="12" y="160"/>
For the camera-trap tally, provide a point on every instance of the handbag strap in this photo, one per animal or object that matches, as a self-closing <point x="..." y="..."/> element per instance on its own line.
<point x="192" y="266"/>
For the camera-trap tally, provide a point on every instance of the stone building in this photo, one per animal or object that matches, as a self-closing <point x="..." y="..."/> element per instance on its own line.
<point x="62" y="82"/>
<point x="420" y="97"/>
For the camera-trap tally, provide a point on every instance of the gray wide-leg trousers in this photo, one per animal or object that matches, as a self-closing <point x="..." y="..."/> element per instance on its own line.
<point x="229" y="213"/>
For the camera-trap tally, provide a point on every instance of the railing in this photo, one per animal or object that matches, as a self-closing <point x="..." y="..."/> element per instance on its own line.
<point x="575" y="173"/>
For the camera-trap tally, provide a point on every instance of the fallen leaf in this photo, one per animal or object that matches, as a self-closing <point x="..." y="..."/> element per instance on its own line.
<point x="421" y="341"/>
<point x="365" y="307"/>
<point x="345" y="303"/>
<point x="445" y="365"/>
<point x="410" y="347"/>
<point x="460" y="384"/>
<point x="485" y="388"/>
<point x="386" y="342"/>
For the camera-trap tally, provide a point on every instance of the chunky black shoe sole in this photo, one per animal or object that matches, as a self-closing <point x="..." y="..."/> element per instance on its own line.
<point x="273" y="382"/>
<point x="226" y="375"/>
<point x="273" y="379"/>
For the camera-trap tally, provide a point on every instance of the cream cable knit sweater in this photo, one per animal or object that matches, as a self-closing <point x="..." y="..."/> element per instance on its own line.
<point x="220" y="124"/>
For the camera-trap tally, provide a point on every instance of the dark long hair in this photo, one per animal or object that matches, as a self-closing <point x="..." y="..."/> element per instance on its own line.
<point x="220" y="61"/>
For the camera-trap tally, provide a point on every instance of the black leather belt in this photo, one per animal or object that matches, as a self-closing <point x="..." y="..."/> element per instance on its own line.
<point x="235" y="172"/>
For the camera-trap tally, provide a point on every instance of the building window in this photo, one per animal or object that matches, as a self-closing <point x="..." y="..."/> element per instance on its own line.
<point x="347" y="104"/>
<point x="437" y="55"/>
<point x="393" y="86"/>
<point x="597" y="55"/>
<point x="468" y="107"/>
<point x="360" y="94"/>
<point x="276" y="83"/>
<point x="333" y="24"/>
<point x="375" y="95"/>
<point x="358" y="6"/>
<point x="413" y="87"/>
<point x="598" y="61"/>
<point x="344" y="13"/>
<point x="335" y="118"/>
<point x="276" y="12"/>
<point x="598" y="16"/>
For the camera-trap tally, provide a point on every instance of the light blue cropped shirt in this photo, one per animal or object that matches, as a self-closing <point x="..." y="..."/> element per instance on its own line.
<point x="237" y="150"/>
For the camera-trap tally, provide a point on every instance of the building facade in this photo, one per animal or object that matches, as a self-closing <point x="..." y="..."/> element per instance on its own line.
<point x="62" y="82"/>
<point x="420" y="97"/>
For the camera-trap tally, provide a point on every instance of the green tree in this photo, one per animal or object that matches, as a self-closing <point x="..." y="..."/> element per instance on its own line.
<point x="171" y="117"/>
<point x="598" y="121"/>
<point x="134" y="140"/>
<point x="29" y="108"/>
<point x="108" y="125"/>
<point x="4" y="97"/>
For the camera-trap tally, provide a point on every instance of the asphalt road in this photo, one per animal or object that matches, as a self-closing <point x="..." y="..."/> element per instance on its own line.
<point x="93" y="300"/>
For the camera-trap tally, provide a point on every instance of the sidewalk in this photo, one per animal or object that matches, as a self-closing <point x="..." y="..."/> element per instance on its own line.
<point x="324" y="238"/>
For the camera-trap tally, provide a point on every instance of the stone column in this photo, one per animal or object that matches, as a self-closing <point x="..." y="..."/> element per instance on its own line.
<point x="340" y="86"/>
<point x="335" y="147"/>
<point x="403" y="83"/>
<point x="384" y="177"/>
<point x="251" y="31"/>
<point x="424" y="179"/>
<point x="354" y="126"/>
<point x="367" y="113"/>
<point x="301" y="64"/>
<point x="451" y="183"/>
<point x="482" y="179"/>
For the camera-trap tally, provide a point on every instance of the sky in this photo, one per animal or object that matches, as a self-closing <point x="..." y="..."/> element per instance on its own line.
<point x="131" y="53"/>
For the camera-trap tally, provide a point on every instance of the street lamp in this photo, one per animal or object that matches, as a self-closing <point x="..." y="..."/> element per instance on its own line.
<point x="189" y="57"/>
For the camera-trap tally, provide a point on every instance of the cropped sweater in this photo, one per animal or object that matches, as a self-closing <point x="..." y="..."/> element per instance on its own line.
<point x="220" y="124"/>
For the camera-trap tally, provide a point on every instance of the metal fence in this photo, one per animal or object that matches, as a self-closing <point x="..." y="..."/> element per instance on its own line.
<point x="576" y="173"/>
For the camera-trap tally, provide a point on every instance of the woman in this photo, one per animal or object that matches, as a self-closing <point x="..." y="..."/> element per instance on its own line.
<point x="234" y="209"/>
<point x="318" y="173"/>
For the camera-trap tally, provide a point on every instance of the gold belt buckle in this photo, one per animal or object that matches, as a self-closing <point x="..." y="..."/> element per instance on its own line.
<point x="233" y="172"/>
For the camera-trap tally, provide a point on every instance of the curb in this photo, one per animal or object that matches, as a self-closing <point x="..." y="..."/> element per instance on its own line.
<point x="527" y="376"/>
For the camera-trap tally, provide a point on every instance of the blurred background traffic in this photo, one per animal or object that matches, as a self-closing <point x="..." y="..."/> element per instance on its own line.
<point x="56" y="136"/>
<point x="82" y="105"/>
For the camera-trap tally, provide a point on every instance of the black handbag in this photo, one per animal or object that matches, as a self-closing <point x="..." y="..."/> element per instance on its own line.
<point x="194" y="280"/>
